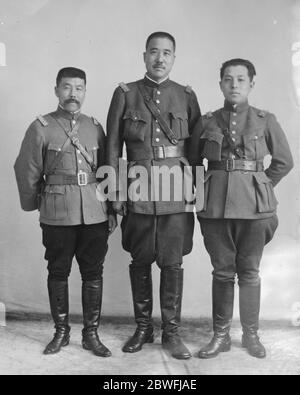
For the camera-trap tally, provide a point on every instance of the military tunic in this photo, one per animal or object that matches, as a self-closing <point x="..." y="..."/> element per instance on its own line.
<point x="239" y="213"/>
<point x="73" y="220"/>
<point x="60" y="204"/>
<point x="131" y="122"/>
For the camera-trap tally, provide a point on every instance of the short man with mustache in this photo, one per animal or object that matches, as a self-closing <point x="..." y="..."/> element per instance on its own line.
<point x="154" y="117"/>
<point x="56" y="174"/>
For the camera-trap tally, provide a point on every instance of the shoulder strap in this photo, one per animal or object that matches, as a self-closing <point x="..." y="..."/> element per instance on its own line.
<point x="188" y="89"/>
<point x="42" y="120"/>
<point x="156" y="113"/>
<point x="124" y="87"/>
<point x="221" y="123"/>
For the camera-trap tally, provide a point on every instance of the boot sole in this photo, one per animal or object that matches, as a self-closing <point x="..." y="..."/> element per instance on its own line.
<point x="226" y="348"/>
<point x="85" y="347"/>
<point x="49" y="352"/>
<point x="150" y="340"/>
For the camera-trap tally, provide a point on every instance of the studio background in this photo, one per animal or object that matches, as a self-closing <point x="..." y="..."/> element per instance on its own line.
<point x="106" y="38"/>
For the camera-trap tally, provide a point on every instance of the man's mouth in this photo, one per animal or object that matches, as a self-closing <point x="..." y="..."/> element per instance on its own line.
<point x="71" y="101"/>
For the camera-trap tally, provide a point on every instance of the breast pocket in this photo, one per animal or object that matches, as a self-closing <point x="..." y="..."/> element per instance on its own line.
<point x="135" y="123"/>
<point x="66" y="159"/>
<point x="54" y="205"/>
<point x="212" y="145"/>
<point x="179" y="124"/>
<point x="256" y="146"/>
<point x="94" y="152"/>
<point x="265" y="197"/>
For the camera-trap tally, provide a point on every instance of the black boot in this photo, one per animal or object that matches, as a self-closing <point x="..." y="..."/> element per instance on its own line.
<point x="59" y="304"/>
<point x="249" y="315"/>
<point x="141" y="285"/>
<point x="91" y="305"/>
<point x="223" y="295"/>
<point x="171" y="285"/>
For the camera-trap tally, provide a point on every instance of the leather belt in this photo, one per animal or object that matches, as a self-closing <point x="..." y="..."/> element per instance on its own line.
<point x="159" y="152"/>
<point x="236" y="164"/>
<point x="80" y="179"/>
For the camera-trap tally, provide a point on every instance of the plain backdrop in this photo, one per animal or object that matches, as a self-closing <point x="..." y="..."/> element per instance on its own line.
<point x="106" y="38"/>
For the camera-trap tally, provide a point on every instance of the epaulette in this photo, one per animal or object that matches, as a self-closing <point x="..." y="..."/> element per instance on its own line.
<point x="188" y="89"/>
<point x="124" y="87"/>
<point x="96" y="122"/>
<point x="261" y="113"/>
<point x="208" y="115"/>
<point x="42" y="120"/>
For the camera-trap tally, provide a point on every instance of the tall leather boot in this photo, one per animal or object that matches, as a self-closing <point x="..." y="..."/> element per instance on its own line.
<point x="141" y="285"/>
<point x="249" y="315"/>
<point x="171" y="286"/>
<point x="59" y="305"/>
<point x="223" y="296"/>
<point x="91" y="306"/>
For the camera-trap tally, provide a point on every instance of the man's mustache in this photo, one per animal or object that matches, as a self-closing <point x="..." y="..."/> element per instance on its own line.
<point x="69" y="101"/>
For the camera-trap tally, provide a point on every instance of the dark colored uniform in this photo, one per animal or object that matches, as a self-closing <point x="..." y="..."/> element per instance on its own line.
<point x="130" y="121"/>
<point x="154" y="229"/>
<point x="72" y="217"/>
<point x="239" y="214"/>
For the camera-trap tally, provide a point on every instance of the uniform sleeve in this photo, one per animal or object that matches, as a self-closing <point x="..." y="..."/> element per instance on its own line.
<point x="115" y="140"/>
<point x="102" y="145"/>
<point x="194" y="112"/>
<point x="195" y="148"/>
<point x="29" y="168"/>
<point x="282" y="161"/>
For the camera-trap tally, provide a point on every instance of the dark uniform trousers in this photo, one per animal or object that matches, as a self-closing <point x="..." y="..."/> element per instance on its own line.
<point x="88" y="243"/>
<point x="235" y="246"/>
<point x="161" y="238"/>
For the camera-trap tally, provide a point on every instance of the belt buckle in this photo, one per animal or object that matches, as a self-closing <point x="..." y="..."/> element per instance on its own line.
<point x="230" y="164"/>
<point x="82" y="178"/>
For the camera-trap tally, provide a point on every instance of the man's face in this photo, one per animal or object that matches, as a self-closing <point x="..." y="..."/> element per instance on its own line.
<point x="71" y="93"/>
<point x="236" y="84"/>
<point x="159" y="58"/>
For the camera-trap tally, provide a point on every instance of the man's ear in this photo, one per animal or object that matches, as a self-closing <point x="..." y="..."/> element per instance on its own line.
<point x="144" y="57"/>
<point x="252" y="84"/>
<point x="55" y="91"/>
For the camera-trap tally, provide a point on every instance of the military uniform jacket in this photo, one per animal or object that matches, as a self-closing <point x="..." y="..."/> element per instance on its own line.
<point x="241" y="194"/>
<point x="60" y="204"/>
<point x="130" y="121"/>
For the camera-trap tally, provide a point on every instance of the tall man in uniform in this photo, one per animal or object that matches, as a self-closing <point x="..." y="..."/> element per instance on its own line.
<point x="56" y="173"/>
<point x="154" y="117"/>
<point x="239" y="215"/>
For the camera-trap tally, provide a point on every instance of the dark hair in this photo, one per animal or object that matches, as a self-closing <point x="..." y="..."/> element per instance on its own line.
<point x="239" y="62"/>
<point x="70" y="72"/>
<point x="161" y="35"/>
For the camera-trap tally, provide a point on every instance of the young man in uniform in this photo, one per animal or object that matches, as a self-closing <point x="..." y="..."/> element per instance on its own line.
<point x="239" y="215"/>
<point x="56" y="174"/>
<point x="154" y="117"/>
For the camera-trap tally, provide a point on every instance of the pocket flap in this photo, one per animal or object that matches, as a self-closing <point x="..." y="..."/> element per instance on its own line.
<point x="135" y="116"/>
<point x="57" y="147"/>
<point x="261" y="178"/>
<point x="212" y="136"/>
<point x="58" y="189"/>
<point x="179" y="115"/>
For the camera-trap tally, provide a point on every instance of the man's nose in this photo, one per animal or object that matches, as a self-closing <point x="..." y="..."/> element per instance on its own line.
<point x="234" y="83"/>
<point x="160" y="57"/>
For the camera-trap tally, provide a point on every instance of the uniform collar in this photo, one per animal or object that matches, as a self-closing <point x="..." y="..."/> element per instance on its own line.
<point x="66" y="114"/>
<point x="154" y="84"/>
<point x="238" y="108"/>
